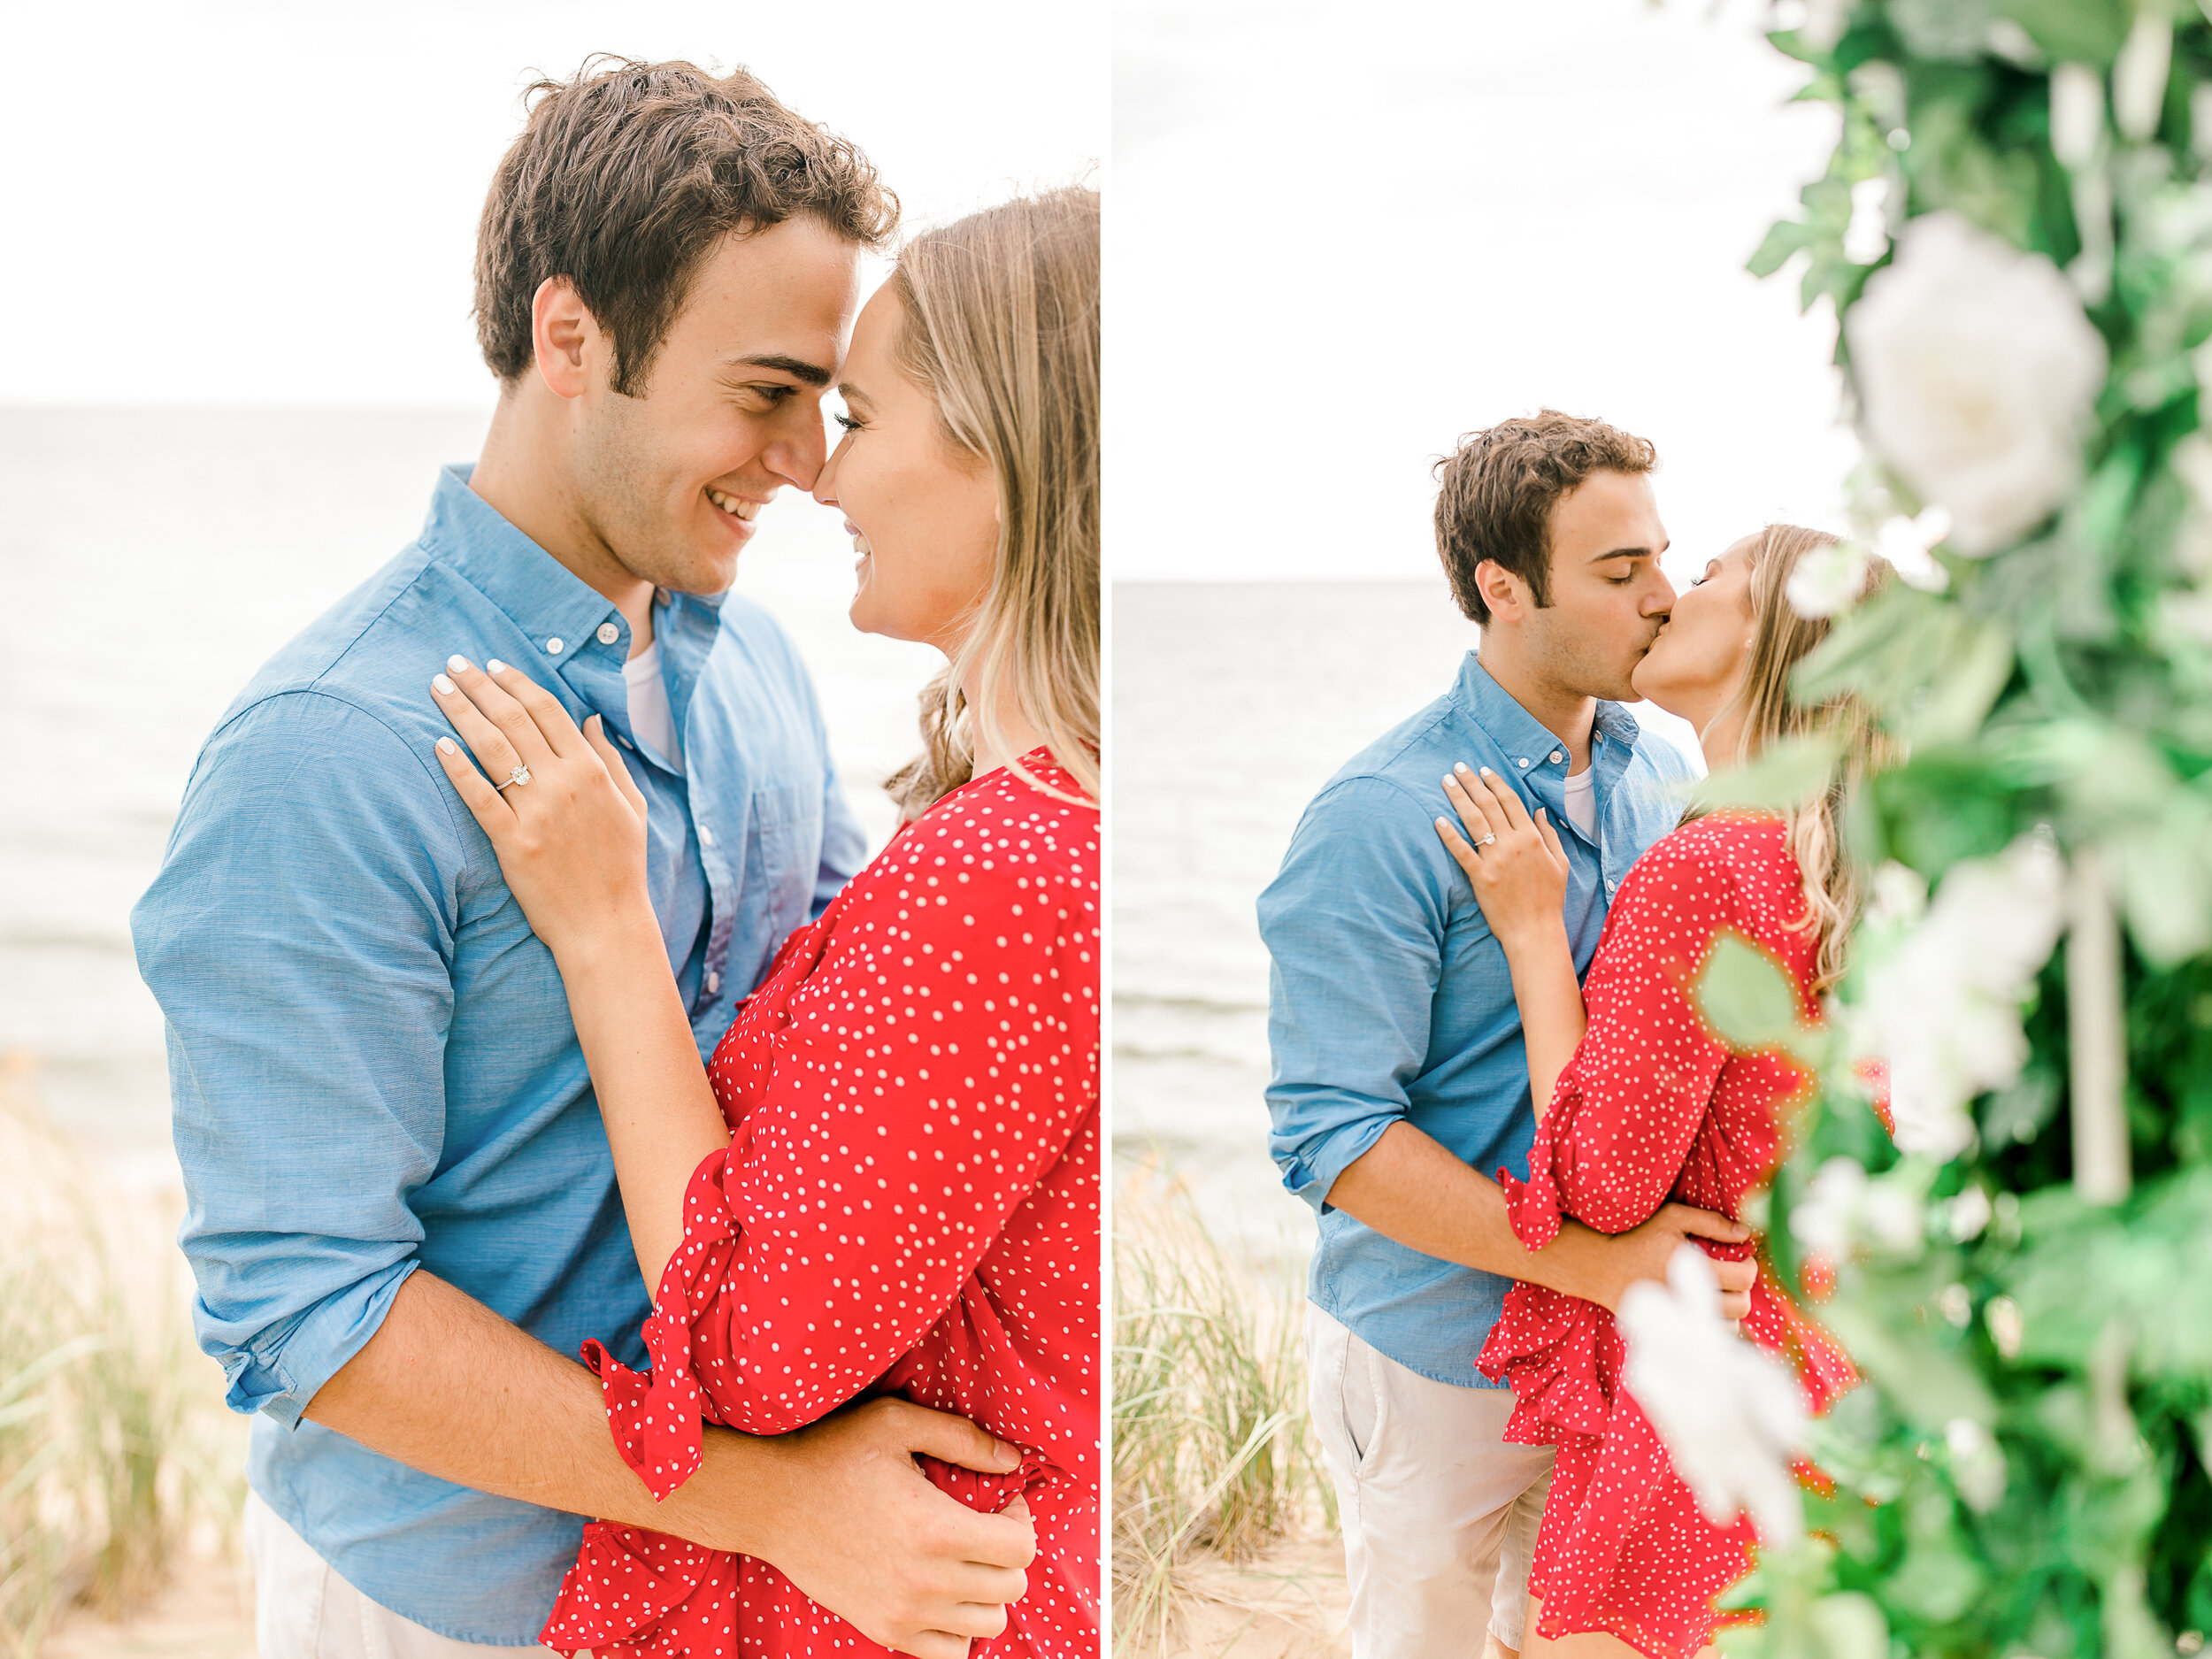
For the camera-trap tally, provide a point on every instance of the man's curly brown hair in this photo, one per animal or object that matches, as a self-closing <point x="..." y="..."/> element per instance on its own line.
<point x="626" y="176"/>
<point x="1500" y="486"/>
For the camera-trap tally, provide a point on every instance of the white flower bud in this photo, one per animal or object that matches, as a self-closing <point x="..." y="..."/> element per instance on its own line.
<point x="2077" y="114"/>
<point x="2005" y="1327"/>
<point x="2139" y="75"/>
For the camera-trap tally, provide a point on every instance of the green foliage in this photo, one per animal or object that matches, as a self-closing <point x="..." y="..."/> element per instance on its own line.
<point x="2025" y="1470"/>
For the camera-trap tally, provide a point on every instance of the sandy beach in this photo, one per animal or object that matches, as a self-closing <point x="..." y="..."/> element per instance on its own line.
<point x="121" y="1471"/>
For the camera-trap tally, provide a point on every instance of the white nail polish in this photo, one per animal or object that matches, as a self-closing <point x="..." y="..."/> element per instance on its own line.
<point x="456" y="665"/>
<point x="495" y="666"/>
<point x="444" y="686"/>
<point x="445" y="746"/>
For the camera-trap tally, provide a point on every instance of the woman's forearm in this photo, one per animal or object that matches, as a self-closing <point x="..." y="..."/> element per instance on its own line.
<point x="1552" y="1015"/>
<point x="661" y="1114"/>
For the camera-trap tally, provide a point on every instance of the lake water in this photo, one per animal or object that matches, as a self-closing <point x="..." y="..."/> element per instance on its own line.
<point x="1232" y="705"/>
<point x="150" y="562"/>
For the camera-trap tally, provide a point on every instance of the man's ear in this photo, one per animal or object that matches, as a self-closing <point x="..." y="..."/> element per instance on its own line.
<point x="564" y="337"/>
<point x="1506" y="593"/>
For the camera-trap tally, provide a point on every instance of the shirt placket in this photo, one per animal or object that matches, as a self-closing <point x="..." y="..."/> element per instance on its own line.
<point x="1610" y="754"/>
<point x="685" y="639"/>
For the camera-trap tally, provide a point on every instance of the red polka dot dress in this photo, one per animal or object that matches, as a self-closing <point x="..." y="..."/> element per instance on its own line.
<point x="1652" y="1107"/>
<point x="910" y="1206"/>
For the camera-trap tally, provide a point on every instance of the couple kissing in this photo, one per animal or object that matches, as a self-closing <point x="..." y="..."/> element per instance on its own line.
<point x="1486" y="936"/>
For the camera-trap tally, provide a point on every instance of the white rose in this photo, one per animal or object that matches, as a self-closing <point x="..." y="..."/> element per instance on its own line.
<point x="1977" y="371"/>
<point x="1943" y="1009"/>
<point x="1730" y="1414"/>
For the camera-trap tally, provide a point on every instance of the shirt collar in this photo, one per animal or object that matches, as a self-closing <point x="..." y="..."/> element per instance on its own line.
<point x="546" y="600"/>
<point x="1516" y="730"/>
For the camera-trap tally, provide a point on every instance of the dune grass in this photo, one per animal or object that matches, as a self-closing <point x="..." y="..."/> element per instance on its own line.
<point x="1214" y="1458"/>
<point x="114" y="1443"/>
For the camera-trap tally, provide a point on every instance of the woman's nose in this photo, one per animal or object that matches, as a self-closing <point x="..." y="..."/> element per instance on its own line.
<point x="824" y="490"/>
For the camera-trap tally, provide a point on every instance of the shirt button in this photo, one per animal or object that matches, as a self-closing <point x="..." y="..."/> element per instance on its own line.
<point x="609" y="633"/>
<point x="1523" y="760"/>
<point x="623" y="741"/>
<point x="714" y="982"/>
<point x="554" y="646"/>
<point x="706" y="836"/>
<point x="1556" y="757"/>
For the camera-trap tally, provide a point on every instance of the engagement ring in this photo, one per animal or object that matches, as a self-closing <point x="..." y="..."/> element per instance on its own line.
<point x="1486" y="840"/>
<point x="520" y="774"/>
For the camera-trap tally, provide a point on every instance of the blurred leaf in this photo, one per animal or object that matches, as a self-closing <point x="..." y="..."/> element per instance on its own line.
<point x="1783" y="774"/>
<point x="2165" y="871"/>
<point x="2072" y="31"/>
<point x="1851" y="1626"/>
<point x="2131" y="1630"/>
<point x="1957" y="29"/>
<point x="1887" y="640"/>
<point x="2018" y="1113"/>
<point x="1925" y="1376"/>
<point x="1785" y="240"/>
<point x="1953" y="166"/>
<point x="1961" y="686"/>
<point x="1749" y="999"/>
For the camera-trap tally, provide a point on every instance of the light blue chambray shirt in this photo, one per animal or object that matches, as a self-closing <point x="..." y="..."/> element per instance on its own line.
<point x="370" y="1053"/>
<point x="1389" y="998"/>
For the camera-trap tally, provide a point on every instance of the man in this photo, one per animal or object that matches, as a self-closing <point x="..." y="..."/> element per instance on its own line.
<point x="1399" y="1079"/>
<point x="403" y="1218"/>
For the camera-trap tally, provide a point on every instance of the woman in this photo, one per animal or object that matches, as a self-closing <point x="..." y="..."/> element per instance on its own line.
<point x="888" y="1179"/>
<point x="1645" y="1105"/>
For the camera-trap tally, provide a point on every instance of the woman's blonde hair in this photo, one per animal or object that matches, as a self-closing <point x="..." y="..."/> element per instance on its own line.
<point x="1002" y="329"/>
<point x="1771" y="710"/>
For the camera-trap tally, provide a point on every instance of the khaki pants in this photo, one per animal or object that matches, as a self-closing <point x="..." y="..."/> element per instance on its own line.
<point x="302" y="1609"/>
<point x="1439" y="1515"/>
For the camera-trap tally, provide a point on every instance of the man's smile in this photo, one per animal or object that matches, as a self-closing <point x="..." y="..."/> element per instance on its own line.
<point x="736" y="506"/>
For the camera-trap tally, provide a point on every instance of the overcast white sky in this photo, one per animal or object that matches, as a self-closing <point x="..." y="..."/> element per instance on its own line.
<point x="1338" y="236"/>
<point x="266" y="203"/>
<point x="1343" y="236"/>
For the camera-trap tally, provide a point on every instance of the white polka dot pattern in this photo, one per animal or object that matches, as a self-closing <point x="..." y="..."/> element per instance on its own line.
<point x="910" y="1205"/>
<point x="1653" y="1107"/>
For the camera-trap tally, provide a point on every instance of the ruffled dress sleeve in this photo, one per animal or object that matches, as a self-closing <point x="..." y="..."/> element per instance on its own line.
<point x="930" y="1065"/>
<point x="1628" y="1105"/>
<point x="1629" y="1122"/>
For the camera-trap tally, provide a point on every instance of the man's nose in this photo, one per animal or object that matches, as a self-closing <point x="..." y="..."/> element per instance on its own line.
<point x="1659" y="601"/>
<point x="796" y="453"/>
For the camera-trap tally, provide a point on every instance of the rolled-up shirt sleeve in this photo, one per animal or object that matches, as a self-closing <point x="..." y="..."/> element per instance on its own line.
<point x="299" y="941"/>
<point x="1354" y="923"/>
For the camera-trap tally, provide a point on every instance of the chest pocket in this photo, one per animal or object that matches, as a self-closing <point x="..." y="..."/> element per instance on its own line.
<point x="783" y="853"/>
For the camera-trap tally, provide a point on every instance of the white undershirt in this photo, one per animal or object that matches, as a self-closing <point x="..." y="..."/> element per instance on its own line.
<point x="650" y="716"/>
<point x="1582" y="801"/>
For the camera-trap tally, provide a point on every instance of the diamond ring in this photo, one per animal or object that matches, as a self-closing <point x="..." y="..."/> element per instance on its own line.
<point x="1486" y="840"/>
<point x="520" y="774"/>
